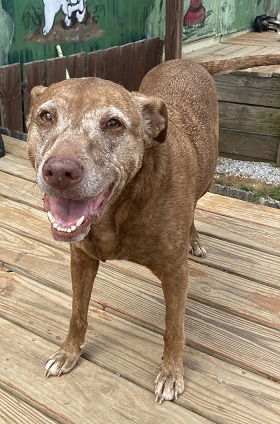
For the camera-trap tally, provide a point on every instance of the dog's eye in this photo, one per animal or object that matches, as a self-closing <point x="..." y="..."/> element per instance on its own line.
<point x="113" y="123"/>
<point x="46" y="116"/>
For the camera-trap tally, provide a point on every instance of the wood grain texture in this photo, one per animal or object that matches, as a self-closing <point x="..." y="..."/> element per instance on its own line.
<point x="14" y="411"/>
<point x="227" y="256"/>
<point x="236" y="230"/>
<point x="248" y="145"/>
<point x="143" y="302"/>
<point x="139" y="59"/>
<point x="248" y="89"/>
<point x="126" y="66"/>
<point x="217" y="390"/>
<point x="89" y="392"/>
<point x="34" y="73"/>
<point x="92" y="59"/>
<point x="11" y="97"/>
<point x="76" y="65"/>
<point x="15" y="147"/>
<point x="173" y="29"/>
<point x="258" y="119"/>
<point x="226" y="206"/>
<point x="112" y="64"/>
<point x="206" y="283"/>
<point x="17" y="166"/>
<point x="55" y="70"/>
<point x="23" y="191"/>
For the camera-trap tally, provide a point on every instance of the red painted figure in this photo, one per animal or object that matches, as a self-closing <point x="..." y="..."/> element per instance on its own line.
<point x="195" y="13"/>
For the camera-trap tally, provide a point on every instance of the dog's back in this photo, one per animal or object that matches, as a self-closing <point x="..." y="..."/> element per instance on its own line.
<point x="192" y="138"/>
<point x="190" y="95"/>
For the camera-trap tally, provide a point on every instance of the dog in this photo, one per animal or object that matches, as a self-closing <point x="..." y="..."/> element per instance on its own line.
<point x="68" y="7"/>
<point x="121" y="173"/>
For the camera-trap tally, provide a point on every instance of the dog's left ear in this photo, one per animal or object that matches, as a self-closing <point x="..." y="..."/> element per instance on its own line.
<point x="36" y="92"/>
<point x="154" y="115"/>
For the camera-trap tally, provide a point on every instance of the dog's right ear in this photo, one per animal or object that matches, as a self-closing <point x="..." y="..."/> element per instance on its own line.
<point x="36" y="92"/>
<point x="154" y="115"/>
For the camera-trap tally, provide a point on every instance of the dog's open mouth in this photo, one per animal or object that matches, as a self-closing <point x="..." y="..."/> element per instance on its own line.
<point x="70" y="218"/>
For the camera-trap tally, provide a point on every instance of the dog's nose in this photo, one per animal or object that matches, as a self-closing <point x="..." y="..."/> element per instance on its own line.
<point x="62" y="173"/>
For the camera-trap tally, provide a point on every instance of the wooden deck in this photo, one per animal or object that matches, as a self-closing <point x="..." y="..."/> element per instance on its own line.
<point x="232" y="361"/>
<point x="250" y="43"/>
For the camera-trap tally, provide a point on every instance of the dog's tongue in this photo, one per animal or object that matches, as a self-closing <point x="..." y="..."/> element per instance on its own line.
<point x="67" y="211"/>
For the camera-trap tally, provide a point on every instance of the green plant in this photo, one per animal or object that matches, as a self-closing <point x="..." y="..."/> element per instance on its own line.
<point x="219" y="180"/>
<point x="247" y="188"/>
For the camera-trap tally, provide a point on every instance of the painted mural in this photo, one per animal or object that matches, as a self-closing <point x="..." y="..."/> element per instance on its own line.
<point x="73" y="11"/>
<point x="30" y="29"/>
<point x="75" y="22"/>
<point x="6" y="34"/>
<point x="204" y="18"/>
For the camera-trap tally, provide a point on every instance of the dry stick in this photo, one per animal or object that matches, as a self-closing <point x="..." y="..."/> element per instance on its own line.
<point x="60" y="54"/>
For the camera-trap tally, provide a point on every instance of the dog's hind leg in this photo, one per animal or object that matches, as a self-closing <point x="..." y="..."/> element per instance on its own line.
<point x="83" y="270"/>
<point x="196" y="247"/>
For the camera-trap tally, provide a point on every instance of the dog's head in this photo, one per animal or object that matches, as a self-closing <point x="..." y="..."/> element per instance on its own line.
<point x="86" y="140"/>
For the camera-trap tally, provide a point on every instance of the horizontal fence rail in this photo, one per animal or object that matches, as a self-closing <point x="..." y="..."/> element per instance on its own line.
<point x="125" y="65"/>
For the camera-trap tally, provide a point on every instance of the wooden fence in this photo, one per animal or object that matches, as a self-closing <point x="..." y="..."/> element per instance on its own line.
<point x="249" y="116"/>
<point x="126" y="65"/>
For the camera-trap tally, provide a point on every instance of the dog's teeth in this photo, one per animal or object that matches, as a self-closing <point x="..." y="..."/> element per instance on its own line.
<point x="55" y="225"/>
<point x="73" y="228"/>
<point x="59" y="228"/>
<point x="51" y="217"/>
<point x="80" y="221"/>
<point x="69" y="230"/>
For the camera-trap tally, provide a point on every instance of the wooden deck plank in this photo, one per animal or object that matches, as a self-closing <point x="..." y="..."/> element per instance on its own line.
<point x="248" y="44"/>
<point x="15" y="411"/>
<point x="206" y="283"/>
<point x="20" y="190"/>
<point x="15" y="147"/>
<point x="219" y="391"/>
<point x="238" y="231"/>
<point x="243" y="261"/>
<point x="17" y="166"/>
<point x="226" y="206"/>
<point x="88" y="393"/>
<point x="249" y="118"/>
<point x="137" y="299"/>
<point x="206" y="327"/>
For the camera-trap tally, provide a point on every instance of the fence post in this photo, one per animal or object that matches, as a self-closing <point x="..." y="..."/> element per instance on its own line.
<point x="174" y="29"/>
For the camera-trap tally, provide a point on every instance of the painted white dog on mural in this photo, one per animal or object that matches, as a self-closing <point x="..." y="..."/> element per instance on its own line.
<point x="68" y="7"/>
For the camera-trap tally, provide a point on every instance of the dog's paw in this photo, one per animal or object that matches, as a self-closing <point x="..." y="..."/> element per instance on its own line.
<point x="168" y="386"/>
<point x="197" y="249"/>
<point x="60" y="363"/>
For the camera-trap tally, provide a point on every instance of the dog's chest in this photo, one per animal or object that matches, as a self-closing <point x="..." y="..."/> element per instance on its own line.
<point x="103" y="243"/>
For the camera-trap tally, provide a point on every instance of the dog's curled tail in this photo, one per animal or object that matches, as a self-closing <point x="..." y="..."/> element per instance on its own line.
<point x="225" y="65"/>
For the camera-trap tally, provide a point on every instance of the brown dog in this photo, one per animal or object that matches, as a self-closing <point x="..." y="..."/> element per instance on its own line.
<point x="121" y="174"/>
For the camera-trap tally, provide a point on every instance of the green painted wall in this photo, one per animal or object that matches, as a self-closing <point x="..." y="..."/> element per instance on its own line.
<point x="226" y="16"/>
<point x="109" y="23"/>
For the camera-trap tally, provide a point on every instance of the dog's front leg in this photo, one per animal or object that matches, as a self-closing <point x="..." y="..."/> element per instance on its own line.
<point x="83" y="271"/>
<point x="170" y="380"/>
